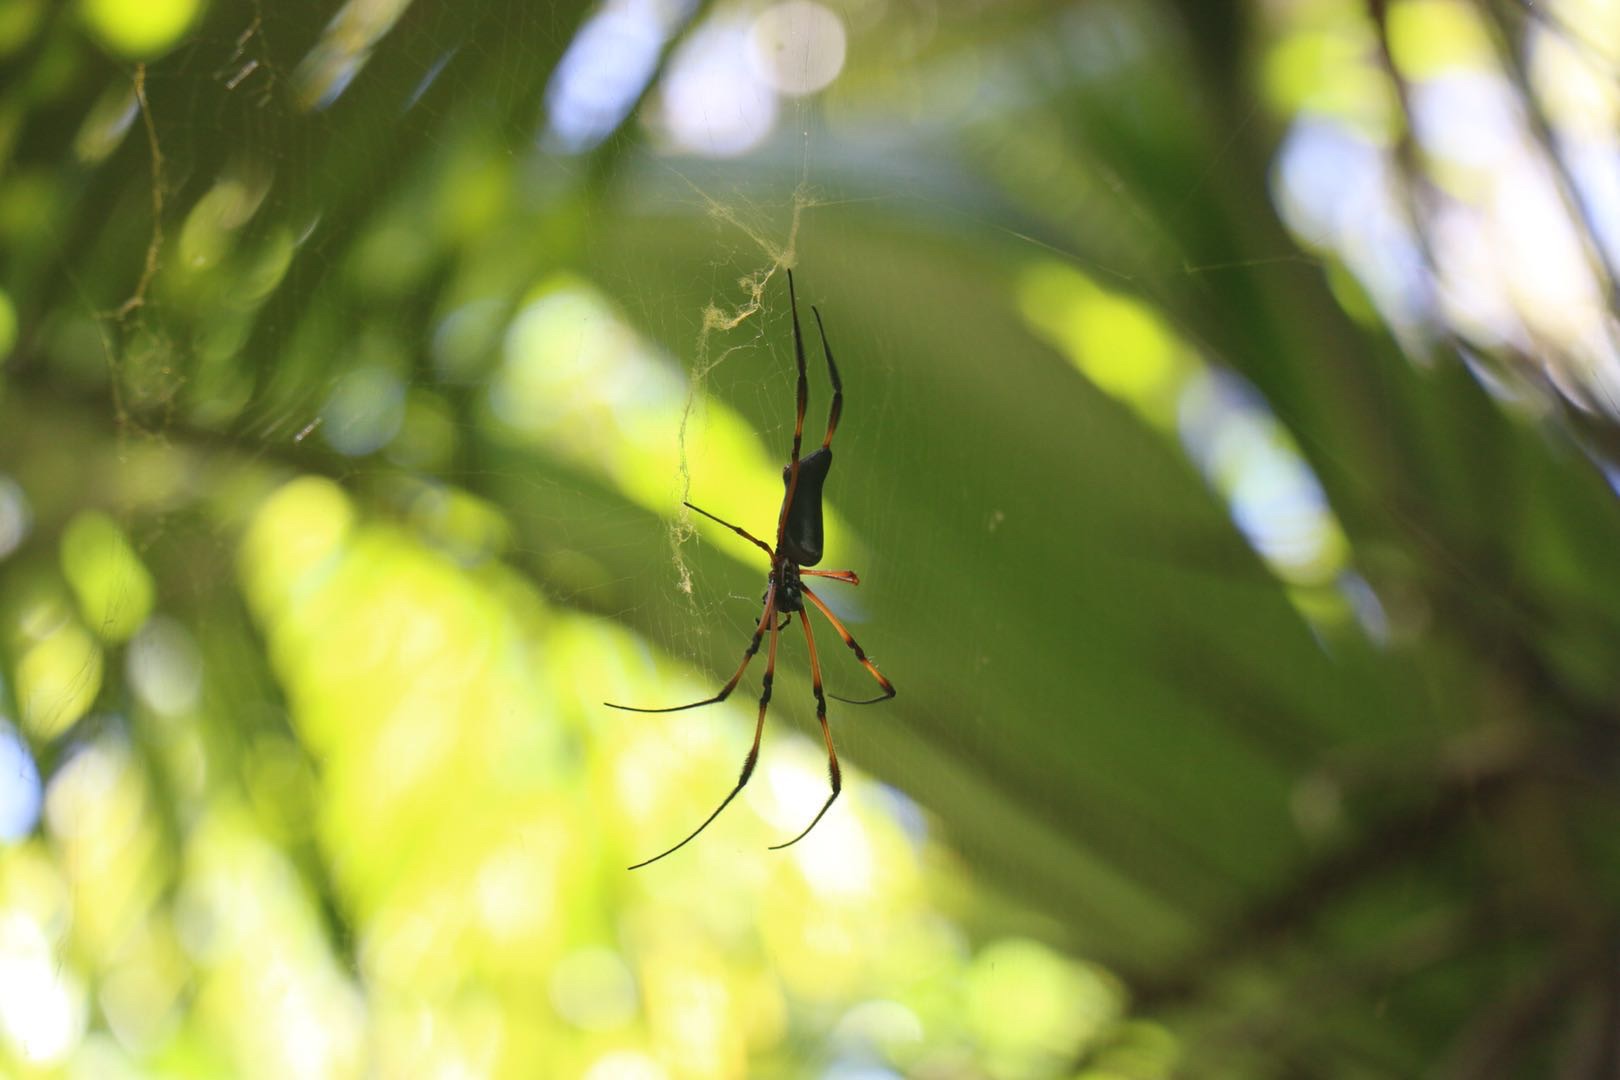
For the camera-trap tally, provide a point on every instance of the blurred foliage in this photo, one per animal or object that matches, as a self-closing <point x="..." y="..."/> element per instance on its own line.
<point x="1228" y="459"/>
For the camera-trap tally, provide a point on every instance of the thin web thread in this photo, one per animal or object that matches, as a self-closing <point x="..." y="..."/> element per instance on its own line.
<point x="723" y="320"/>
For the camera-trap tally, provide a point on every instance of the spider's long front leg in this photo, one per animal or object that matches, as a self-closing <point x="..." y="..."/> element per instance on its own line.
<point x="833" y="774"/>
<point x="731" y="684"/>
<point x="803" y="400"/>
<point x="855" y="647"/>
<point x="738" y="529"/>
<point x="837" y="408"/>
<point x="759" y="726"/>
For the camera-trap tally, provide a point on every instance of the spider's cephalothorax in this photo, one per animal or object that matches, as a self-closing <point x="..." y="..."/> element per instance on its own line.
<point x="784" y="578"/>
<point x="799" y="541"/>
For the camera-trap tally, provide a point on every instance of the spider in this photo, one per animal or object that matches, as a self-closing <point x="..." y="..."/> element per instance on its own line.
<point x="798" y="547"/>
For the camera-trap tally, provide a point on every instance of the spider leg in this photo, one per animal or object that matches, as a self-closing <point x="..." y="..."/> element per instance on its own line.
<point x="836" y="575"/>
<point x="837" y="408"/>
<point x="739" y="530"/>
<point x="787" y="620"/>
<point x="826" y="733"/>
<point x="753" y="751"/>
<point x="798" y="420"/>
<point x="855" y="646"/>
<point x="731" y="684"/>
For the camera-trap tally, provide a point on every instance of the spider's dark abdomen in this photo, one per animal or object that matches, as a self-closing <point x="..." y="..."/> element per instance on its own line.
<point x="802" y="538"/>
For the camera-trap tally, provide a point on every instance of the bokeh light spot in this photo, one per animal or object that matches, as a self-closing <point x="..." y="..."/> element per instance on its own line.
<point x="8" y="324"/>
<point x="165" y="667"/>
<point x="1429" y="36"/>
<point x="20" y="791"/>
<point x="713" y="102"/>
<point x="1031" y="1005"/>
<point x="606" y="67"/>
<point x="104" y="128"/>
<point x="593" y="989"/>
<point x="139" y="31"/>
<point x="797" y="46"/>
<point x="58" y="679"/>
<point x="885" y="1028"/>
<point x="1247" y="456"/>
<point x="114" y="589"/>
<point x="16" y="519"/>
<point x="42" y="1004"/>
<point x="300" y="530"/>
<point x="625" y="1065"/>
<point x="1115" y="341"/>
<point x="343" y="49"/>
<point x="364" y="412"/>
<point x="19" y="20"/>
<point x="210" y="227"/>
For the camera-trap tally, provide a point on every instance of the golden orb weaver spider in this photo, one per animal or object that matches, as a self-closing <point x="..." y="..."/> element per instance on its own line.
<point x="798" y="546"/>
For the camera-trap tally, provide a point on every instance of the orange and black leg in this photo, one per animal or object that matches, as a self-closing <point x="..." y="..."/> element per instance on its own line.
<point x="833" y="774"/>
<point x="837" y="408"/>
<point x="837" y="575"/>
<point x="803" y="400"/>
<point x="855" y="647"/>
<point x="731" y="684"/>
<point x="759" y="724"/>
